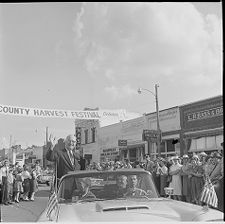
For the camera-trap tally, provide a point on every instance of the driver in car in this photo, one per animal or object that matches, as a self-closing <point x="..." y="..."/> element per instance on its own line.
<point x="83" y="187"/>
<point x="133" y="190"/>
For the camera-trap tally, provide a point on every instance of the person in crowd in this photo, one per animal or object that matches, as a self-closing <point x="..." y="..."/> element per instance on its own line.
<point x="156" y="174"/>
<point x="202" y="158"/>
<point x="149" y="164"/>
<point x="18" y="184"/>
<point x="33" y="182"/>
<point x="186" y="183"/>
<point x="10" y="180"/>
<point x="66" y="159"/>
<point x="127" y="163"/>
<point x="4" y="170"/>
<point x="163" y="171"/>
<point x="133" y="189"/>
<point x="176" y="184"/>
<point x="26" y="182"/>
<point x="216" y="178"/>
<point x="82" y="160"/>
<point x="197" y="181"/>
<point x="38" y="168"/>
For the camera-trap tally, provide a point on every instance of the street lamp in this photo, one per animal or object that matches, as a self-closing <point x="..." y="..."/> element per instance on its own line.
<point x="157" y="113"/>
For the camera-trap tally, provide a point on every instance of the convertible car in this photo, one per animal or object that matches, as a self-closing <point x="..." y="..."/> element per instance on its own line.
<point x="125" y="195"/>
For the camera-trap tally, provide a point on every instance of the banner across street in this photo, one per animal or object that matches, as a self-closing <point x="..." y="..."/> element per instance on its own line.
<point x="53" y="113"/>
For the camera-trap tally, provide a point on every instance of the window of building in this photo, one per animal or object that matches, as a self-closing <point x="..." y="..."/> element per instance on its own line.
<point x="170" y="145"/>
<point x="219" y="140"/>
<point x="211" y="142"/>
<point x="193" y="145"/>
<point x="86" y="136"/>
<point x="201" y="143"/>
<point x="163" y="147"/>
<point x="93" y="132"/>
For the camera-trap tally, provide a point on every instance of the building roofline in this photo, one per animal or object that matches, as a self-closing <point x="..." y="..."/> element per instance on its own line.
<point x="213" y="97"/>
<point x="146" y="114"/>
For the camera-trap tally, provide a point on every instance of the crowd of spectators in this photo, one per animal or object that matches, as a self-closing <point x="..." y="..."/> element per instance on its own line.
<point x="18" y="182"/>
<point x="185" y="174"/>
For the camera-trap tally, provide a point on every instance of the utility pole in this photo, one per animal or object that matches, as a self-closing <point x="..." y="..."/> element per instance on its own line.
<point x="157" y="114"/>
<point x="46" y="135"/>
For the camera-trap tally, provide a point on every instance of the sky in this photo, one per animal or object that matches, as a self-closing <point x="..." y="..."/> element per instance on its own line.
<point x="75" y="55"/>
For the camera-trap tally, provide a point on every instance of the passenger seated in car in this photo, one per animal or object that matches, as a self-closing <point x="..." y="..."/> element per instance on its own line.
<point x="133" y="190"/>
<point x="83" y="188"/>
<point x="121" y="186"/>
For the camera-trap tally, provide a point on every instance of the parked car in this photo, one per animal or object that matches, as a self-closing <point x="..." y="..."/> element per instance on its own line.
<point x="44" y="178"/>
<point x="98" y="196"/>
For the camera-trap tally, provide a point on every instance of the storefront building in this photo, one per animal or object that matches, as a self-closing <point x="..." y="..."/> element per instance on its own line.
<point x="169" y="122"/>
<point x="130" y="131"/>
<point x="87" y="132"/>
<point x="202" y="125"/>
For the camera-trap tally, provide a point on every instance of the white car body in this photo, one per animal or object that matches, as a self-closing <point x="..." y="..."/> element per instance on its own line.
<point x="130" y="209"/>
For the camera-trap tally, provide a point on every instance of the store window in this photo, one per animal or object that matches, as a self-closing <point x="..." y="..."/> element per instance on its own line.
<point x="163" y="147"/>
<point x="170" y="145"/>
<point x="206" y="143"/>
<point x="93" y="134"/>
<point x="219" y="140"/>
<point x="86" y="136"/>
<point x="201" y="143"/>
<point x="193" y="145"/>
<point x="211" y="142"/>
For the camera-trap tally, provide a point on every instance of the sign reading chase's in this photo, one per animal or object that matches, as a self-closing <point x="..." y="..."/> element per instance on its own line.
<point x="206" y="114"/>
<point x="213" y="112"/>
<point x="52" y="113"/>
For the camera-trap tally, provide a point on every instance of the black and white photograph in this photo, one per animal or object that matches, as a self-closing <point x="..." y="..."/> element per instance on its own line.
<point x="111" y="112"/>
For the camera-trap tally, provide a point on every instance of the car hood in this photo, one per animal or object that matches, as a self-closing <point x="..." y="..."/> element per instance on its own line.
<point x="135" y="210"/>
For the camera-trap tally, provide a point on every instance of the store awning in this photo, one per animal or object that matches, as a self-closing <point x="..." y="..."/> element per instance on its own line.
<point x="204" y="133"/>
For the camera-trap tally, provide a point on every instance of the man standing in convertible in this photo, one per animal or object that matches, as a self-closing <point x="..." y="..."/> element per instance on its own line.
<point x="66" y="158"/>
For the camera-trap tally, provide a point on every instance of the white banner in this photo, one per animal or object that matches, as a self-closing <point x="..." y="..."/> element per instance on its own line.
<point x="52" y="113"/>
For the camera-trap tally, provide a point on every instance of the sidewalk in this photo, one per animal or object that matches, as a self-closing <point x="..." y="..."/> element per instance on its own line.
<point x="25" y="211"/>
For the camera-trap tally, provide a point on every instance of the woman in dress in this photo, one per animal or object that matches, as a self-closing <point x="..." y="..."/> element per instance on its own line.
<point x="197" y="181"/>
<point x="18" y="184"/>
<point x="186" y="183"/>
<point x="176" y="184"/>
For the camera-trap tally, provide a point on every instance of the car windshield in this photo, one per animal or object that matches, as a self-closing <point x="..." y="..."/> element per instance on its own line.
<point x="106" y="185"/>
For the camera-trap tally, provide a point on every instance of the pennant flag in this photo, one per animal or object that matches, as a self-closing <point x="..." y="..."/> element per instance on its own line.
<point x="208" y="195"/>
<point x="52" y="204"/>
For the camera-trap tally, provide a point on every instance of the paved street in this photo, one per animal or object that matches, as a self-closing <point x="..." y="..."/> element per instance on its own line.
<point x="26" y="211"/>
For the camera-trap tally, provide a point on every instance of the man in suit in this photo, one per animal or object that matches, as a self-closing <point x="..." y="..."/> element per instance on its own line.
<point x="133" y="189"/>
<point x="66" y="158"/>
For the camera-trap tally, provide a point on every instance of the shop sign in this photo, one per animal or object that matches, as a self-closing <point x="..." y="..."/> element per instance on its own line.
<point x="169" y="120"/>
<point x="109" y="153"/>
<point x="203" y="115"/>
<point x="150" y="135"/>
<point x="122" y="142"/>
<point x="78" y="136"/>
